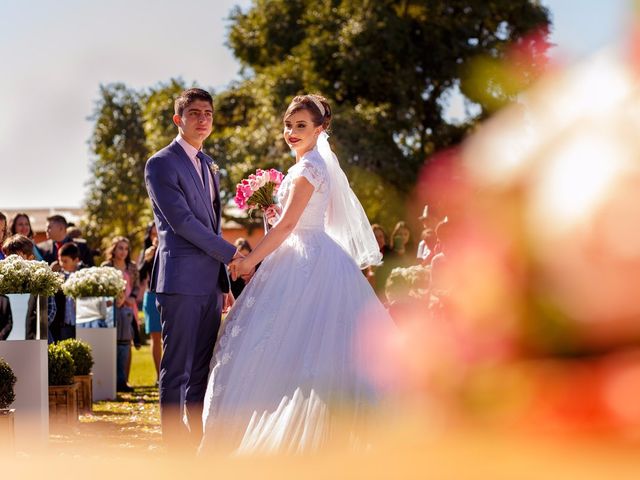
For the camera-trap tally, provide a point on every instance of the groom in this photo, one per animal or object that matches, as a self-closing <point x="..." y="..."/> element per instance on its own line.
<point x="189" y="274"/>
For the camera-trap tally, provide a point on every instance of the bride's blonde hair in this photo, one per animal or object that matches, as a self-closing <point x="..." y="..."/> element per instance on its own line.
<point x="316" y="105"/>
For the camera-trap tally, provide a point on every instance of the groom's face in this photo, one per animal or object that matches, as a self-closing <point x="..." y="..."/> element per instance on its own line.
<point x="196" y="122"/>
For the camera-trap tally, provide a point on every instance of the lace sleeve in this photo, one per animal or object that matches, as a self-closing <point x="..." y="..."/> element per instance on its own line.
<point x="313" y="172"/>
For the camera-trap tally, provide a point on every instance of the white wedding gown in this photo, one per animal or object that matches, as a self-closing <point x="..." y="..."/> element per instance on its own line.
<point x="290" y="353"/>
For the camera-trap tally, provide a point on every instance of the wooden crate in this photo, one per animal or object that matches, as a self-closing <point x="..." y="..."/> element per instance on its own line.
<point x="85" y="393"/>
<point x="63" y="404"/>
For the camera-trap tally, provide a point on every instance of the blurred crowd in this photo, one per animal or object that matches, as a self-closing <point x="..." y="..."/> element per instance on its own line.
<point x="67" y="252"/>
<point x="409" y="276"/>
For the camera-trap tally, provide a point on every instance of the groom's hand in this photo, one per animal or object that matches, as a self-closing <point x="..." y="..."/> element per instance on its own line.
<point x="233" y="267"/>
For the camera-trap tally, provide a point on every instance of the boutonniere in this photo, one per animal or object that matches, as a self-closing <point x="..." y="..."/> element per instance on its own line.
<point x="214" y="168"/>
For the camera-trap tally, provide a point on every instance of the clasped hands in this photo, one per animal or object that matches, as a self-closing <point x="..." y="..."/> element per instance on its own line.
<point x="241" y="267"/>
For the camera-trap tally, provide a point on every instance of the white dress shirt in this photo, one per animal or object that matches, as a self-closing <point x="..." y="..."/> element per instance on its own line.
<point x="195" y="161"/>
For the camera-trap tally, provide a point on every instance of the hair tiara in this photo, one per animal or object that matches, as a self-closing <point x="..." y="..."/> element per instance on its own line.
<point x="318" y="104"/>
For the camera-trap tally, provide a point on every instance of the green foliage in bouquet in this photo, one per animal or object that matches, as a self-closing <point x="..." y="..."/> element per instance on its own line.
<point x="81" y="353"/>
<point x="18" y="275"/>
<point x="7" y="382"/>
<point x="94" y="282"/>
<point x="61" y="367"/>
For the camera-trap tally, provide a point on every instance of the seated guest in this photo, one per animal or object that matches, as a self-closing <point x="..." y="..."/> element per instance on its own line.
<point x="6" y="318"/>
<point x="57" y="236"/>
<point x="22" y="224"/>
<point x="23" y="247"/>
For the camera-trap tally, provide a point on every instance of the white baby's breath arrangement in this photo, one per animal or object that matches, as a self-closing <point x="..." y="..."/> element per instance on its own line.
<point x="95" y="282"/>
<point x="18" y="275"/>
<point x="414" y="280"/>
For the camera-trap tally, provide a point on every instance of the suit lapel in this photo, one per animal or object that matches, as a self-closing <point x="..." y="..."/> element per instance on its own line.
<point x="186" y="164"/>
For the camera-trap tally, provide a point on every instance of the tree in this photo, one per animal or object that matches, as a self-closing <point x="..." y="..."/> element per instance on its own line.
<point x="157" y="113"/>
<point x="117" y="202"/>
<point x="387" y="67"/>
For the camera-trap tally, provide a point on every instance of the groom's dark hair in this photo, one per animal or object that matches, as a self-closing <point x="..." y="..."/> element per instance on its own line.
<point x="189" y="96"/>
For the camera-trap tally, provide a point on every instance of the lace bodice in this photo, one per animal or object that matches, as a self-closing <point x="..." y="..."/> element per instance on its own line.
<point x="313" y="168"/>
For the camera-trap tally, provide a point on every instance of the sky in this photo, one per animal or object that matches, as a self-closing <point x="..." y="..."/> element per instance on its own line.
<point x="56" y="53"/>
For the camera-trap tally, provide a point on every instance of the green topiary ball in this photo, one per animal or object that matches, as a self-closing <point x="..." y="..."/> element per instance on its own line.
<point x="81" y="353"/>
<point x="7" y="382"/>
<point x="61" y="367"/>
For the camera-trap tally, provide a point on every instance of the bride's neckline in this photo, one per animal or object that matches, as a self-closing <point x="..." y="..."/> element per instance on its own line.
<point x="304" y="155"/>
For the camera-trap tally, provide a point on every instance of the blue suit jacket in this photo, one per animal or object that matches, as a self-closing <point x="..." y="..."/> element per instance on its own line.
<point x="191" y="252"/>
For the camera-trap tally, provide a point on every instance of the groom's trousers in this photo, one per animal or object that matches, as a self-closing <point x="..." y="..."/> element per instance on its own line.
<point x="190" y="326"/>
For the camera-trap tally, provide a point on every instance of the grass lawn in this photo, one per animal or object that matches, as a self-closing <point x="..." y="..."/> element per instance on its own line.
<point x="129" y="423"/>
<point x="143" y="373"/>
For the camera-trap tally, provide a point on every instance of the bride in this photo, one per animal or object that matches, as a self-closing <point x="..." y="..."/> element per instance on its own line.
<point x="290" y="353"/>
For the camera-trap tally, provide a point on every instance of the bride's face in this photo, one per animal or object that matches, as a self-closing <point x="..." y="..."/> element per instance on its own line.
<point x="299" y="132"/>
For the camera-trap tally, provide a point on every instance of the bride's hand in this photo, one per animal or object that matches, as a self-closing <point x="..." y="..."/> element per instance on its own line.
<point x="240" y="267"/>
<point x="272" y="213"/>
<point x="244" y="267"/>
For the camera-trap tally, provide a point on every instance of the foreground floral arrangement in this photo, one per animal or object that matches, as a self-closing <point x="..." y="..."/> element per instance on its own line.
<point x="18" y="275"/>
<point x="94" y="282"/>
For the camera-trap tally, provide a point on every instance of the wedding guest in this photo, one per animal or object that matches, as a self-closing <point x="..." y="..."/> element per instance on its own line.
<point x="3" y="231"/>
<point x="381" y="238"/>
<point x="397" y="256"/>
<point x="74" y="232"/>
<point x="6" y="318"/>
<point x="427" y="246"/>
<point x="22" y="224"/>
<point x="118" y="256"/>
<point x="23" y="247"/>
<point x="439" y="261"/>
<point x="400" y="243"/>
<point x="430" y="218"/>
<point x="376" y="275"/>
<point x="127" y="330"/>
<point x="152" y="325"/>
<point x="57" y="236"/>
<point x="64" y="323"/>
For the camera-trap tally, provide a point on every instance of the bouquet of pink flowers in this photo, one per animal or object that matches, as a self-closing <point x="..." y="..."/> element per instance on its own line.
<point x="258" y="191"/>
